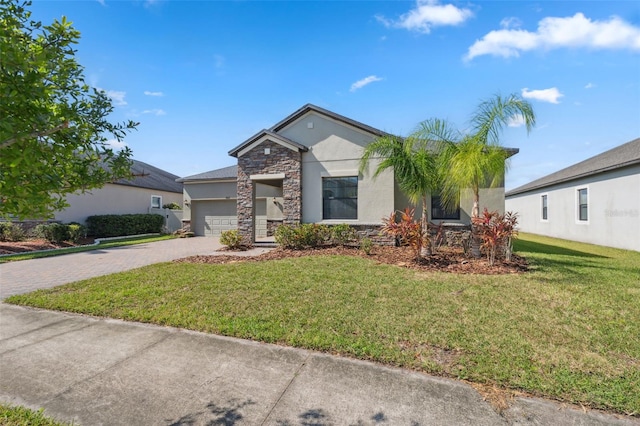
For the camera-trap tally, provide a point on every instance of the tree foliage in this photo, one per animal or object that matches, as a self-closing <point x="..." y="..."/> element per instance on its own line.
<point x="54" y="130"/>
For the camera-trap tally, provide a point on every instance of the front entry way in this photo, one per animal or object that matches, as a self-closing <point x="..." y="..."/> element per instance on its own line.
<point x="267" y="208"/>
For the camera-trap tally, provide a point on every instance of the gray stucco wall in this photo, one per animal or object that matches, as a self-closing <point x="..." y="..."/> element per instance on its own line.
<point x="335" y="150"/>
<point x="113" y="199"/>
<point x="613" y="212"/>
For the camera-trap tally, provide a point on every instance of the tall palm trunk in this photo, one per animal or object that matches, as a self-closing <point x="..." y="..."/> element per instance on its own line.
<point x="475" y="213"/>
<point x="425" y="251"/>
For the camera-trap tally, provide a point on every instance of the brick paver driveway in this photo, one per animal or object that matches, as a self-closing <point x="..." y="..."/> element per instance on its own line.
<point x="29" y="275"/>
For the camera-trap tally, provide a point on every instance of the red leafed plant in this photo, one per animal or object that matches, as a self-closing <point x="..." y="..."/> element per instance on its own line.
<point x="496" y="231"/>
<point x="402" y="226"/>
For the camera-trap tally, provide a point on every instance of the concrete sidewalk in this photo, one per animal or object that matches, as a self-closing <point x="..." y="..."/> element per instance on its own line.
<point x="30" y="275"/>
<point x="101" y="371"/>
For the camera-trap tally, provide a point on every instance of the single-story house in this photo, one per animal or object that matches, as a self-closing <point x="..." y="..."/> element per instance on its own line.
<point x="146" y="191"/>
<point x="595" y="201"/>
<point x="305" y="169"/>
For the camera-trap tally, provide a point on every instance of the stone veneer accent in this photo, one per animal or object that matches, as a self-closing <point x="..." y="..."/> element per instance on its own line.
<point x="280" y="160"/>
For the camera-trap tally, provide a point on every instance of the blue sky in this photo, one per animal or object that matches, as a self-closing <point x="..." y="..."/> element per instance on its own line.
<point x="203" y="76"/>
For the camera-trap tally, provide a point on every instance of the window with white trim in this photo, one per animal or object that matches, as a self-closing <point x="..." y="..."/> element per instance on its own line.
<point x="340" y="197"/>
<point x="545" y="211"/>
<point x="583" y="204"/>
<point x="156" y="202"/>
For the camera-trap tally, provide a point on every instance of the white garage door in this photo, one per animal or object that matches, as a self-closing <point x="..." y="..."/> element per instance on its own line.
<point x="210" y="218"/>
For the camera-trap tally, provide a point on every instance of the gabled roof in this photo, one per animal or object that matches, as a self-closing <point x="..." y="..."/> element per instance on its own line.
<point x="224" y="173"/>
<point x="273" y="131"/>
<point x="148" y="176"/>
<point x="622" y="156"/>
<point x="271" y="135"/>
<point x="310" y="107"/>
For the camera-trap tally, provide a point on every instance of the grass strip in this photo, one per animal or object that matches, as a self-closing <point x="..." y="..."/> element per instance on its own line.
<point x="103" y="245"/>
<point x="568" y="329"/>
<point x="13" y="415"/>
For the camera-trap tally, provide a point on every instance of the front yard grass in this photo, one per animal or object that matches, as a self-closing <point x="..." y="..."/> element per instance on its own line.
<point x="13" y="415"/>
<point x="569" y="329"/>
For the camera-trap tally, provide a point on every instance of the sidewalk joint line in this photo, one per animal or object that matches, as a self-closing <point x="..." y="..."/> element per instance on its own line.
<point x="295" y="375"/>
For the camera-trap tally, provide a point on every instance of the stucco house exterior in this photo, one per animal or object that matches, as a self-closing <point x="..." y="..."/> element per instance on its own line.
<point x="595" y="201"/>
<point x="146" y="192"/>
<point x="304" y="169"/>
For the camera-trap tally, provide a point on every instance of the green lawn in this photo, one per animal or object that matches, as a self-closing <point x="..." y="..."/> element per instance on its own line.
<point x="11" y="415"/>
<point x="569" y="329"/>
<point x="103" y="245"/>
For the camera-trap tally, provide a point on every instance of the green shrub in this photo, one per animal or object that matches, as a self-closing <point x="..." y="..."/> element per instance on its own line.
<point x="302" y="236"/>
<point x="11" y="232"/>
<point x="76" y="231"/>
<point x="53" y="232"/>
<point x="366" y="245"/>
<point x="231" y="239"/>
<point x="172" y="206"/>
<point x="123" y="225"/>
<point x="343" y="234"/>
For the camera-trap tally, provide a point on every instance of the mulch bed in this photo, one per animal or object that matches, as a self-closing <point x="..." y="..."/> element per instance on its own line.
<point x="445" y="259"/>
<point x="37" y="244"/>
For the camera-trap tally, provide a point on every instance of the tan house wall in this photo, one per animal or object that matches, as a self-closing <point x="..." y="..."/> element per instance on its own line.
<point x="335" y="149"/>
<point x="112" y="199"/>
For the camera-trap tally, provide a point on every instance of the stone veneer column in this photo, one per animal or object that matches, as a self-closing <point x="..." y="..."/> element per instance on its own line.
<point x="279" y="160"/>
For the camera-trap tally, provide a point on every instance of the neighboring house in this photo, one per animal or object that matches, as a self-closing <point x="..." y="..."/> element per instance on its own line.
<point x="595" y="201"/>
<point x="304" y="169"/>
<point x="146" y="192"/>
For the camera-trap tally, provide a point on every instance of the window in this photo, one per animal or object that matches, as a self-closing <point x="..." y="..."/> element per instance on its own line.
<point x="340" y="197"/>
<point x="583" y="205"/>
<point x="544" y="208"/>
<point x="156" y="201"/>
<point x="439" y="212"/>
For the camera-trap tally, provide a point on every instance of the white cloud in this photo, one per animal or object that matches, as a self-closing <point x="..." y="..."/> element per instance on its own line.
<point x="516" y="121"/>
<point x="154" y="112"/>
<point x="102" y="2"/>
<point x="149" y="93"/>
<point x="115" y="144"/>
<point x="511" y="22"/>
<point x="361" y="83"/>
<point x="116" y="96"/>
<point x="426" y="15"/>
<point x="545" y="95"/>
<point x="589" y="86"/>
<point x="219" y="61"/>
<point x="553" y="33"/>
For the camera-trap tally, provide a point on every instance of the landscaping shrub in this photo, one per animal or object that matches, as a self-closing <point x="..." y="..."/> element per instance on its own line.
<point x="172" y="206"/>
<point x="405" y="229"/>
<point x="11" y="232"/>
<point x="76" y="231"/>
<point x="53" y="232"/>
<point x="123" y="225"/>
<point x="302" y="236"/>
<point x="343" y="234"/>
<point x="366" y="245"/>
<point x="496" y="232"/>
<point x="232" y="239"/>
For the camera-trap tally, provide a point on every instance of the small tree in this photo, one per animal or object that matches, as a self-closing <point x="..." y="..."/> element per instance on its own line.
<point x="54" y="131"/>
<point x="496" y="231"/>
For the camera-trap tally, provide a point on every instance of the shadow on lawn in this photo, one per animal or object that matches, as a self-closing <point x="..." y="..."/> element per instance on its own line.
<point x="534" y="247"/>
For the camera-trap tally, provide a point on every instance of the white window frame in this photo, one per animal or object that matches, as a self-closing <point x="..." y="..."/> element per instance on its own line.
<point x="544" y="197"/>
<point x="159" y="198"/>
<point x="577" y="208"/>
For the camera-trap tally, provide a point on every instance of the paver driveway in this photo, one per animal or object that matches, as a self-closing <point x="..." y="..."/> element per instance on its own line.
<point x="29" y="275"/>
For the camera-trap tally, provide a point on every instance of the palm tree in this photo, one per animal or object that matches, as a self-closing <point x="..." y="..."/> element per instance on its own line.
<point x="415" y="169"/>
<point x="476" y="159"/>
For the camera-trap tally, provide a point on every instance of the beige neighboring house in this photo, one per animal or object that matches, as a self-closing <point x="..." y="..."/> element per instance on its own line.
<point x="305" y="169"/>
<point x="146" y="192"/>
<point x="595" y="201"/>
